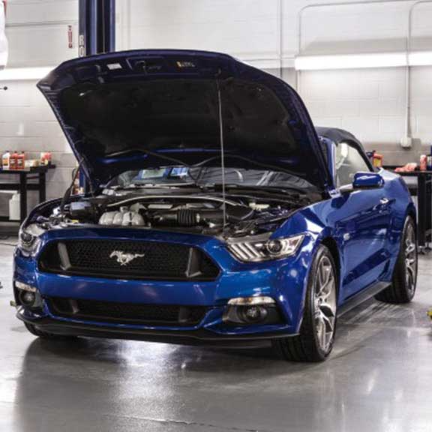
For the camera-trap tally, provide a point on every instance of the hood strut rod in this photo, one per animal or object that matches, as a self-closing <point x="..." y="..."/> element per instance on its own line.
<point x="222" y="145"/>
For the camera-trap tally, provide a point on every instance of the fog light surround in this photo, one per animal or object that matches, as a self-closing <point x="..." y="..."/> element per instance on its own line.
<point x="24" y="287"/>
<point x="251" y="311"/>
<point x="28" y="296"/>
<point x="251" y="301"/>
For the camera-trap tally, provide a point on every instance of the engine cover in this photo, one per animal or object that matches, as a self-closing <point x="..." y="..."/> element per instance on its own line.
<point x="121" y="218"/>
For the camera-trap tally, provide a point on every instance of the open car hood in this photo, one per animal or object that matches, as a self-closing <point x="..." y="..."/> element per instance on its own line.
<point x="133" y="110"/>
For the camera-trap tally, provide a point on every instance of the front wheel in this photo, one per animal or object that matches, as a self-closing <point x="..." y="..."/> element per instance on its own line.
<point x="315" y="341"/>
<point x="404" y="280"/>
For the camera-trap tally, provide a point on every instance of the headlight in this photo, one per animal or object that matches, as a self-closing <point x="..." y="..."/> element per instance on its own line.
<point x="260" y="248"/>
<point x="29" y="238"/>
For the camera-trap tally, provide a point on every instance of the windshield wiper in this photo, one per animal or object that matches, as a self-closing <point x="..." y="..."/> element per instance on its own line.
<point x="159" y="185"/>
<point x="252" y="192"/>
<point x="246" y="159"/>
<point x="293" y="192"/>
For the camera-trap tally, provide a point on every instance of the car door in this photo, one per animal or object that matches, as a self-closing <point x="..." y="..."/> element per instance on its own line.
<point x="361" y="224"/>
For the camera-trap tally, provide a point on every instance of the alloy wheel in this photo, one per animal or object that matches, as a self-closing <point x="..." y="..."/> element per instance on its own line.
<point x="410" y="258"/>
<point x="325" y="303"/>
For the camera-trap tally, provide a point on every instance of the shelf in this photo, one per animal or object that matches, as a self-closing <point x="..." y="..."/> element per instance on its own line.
<point x="34" y="170"/>
<point x="6" y="219"/>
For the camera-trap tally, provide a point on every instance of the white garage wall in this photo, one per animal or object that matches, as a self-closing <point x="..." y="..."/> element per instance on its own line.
<point x="38" y="36"/>
<point x="370" y="103"/>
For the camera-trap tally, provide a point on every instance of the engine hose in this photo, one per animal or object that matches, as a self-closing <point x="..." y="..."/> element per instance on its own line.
<point x="187" y="217"/>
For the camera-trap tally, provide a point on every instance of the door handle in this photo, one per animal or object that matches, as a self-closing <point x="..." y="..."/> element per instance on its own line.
<point x="384" y="201"/>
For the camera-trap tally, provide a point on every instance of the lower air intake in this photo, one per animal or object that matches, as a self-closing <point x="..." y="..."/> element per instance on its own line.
<point x="127" y="313"/>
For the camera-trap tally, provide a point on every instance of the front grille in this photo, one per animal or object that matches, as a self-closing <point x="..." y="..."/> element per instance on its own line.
<point x="127" y="260"/>
<point x="127" y="313"/>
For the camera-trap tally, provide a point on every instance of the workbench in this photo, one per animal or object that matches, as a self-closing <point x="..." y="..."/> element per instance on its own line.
<point x="423" y="191"/>
<point x="25" y="182"/>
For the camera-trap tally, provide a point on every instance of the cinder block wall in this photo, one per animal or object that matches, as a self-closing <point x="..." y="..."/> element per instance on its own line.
<point x="369" y="102"/>
<point x="38" y="36"/>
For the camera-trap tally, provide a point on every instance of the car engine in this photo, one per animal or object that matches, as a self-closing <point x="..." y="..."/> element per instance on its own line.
<point x="187" y="213"/>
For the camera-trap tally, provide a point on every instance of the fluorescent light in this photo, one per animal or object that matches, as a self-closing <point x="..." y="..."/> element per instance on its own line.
<point x="21" y="74"/>
<point x="421" y="58"/>
<point x="350" y="61"/>
<point x="361" y="61"/>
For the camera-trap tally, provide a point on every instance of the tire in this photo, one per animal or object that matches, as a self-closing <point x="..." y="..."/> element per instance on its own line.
<point x="404" y="281"/>
<point x="315" y="341"/>
<point x="48" y="336"/>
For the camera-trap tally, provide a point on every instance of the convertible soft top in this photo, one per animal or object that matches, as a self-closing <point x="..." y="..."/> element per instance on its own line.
<point x="338" y="135"/>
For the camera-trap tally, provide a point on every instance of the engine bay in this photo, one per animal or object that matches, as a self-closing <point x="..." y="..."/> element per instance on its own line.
<point x="194" y="213"/>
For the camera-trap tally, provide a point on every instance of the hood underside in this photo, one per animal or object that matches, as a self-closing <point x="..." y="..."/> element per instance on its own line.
<point x="137" y="109"/>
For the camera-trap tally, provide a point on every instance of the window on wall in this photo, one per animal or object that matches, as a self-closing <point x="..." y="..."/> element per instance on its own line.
<point x="349" y="161"/>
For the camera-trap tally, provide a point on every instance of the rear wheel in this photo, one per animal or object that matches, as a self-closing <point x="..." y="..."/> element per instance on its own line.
<point x="317" y="332"/>
<point x="44" y="335"/>
<point x="404" y="280"/>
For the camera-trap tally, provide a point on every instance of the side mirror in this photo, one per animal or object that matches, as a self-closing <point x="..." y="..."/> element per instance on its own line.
<point x="367" y="180"/>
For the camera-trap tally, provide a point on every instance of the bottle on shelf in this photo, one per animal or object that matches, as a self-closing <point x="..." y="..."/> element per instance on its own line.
<point x="6" y="160"/>
<point x="429" y="160"/>
<point x="21" y="161"/>
<point x="13" y="160"/>
<point x="45" y="158"/>
<point x="423" y="162"/>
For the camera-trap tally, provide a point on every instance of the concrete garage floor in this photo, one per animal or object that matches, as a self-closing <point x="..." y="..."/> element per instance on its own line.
<point x="379" y="378"/>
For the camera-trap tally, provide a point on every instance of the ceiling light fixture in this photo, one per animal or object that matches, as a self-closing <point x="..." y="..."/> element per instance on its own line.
<point x="421" y="58"/>
<point x="363" y="61"/>
<point x="22" y="74"/>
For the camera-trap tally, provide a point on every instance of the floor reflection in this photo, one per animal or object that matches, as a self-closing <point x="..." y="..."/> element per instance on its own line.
<point x="378" y="379"/>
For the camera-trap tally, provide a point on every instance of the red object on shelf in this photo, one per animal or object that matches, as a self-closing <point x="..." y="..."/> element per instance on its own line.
<point x="423" y="163"/>
<point x="20" y="161"/>
<point x="377" y="160"/>
<point x="13" y="161"/>
<point x="409" y="167"/>
<point x="46" y="158"/>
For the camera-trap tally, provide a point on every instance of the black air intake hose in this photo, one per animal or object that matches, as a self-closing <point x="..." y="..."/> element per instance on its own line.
<point x="182" y="217"/>
<point x="187" y="217"/>
<point x="190" y="218"/>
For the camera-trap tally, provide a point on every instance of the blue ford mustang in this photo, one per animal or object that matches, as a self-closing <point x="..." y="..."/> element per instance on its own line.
<point x="215" y="211"/>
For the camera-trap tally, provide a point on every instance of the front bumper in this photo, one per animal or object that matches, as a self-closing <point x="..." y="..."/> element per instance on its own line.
<point x="199" y="336"/>
<point x="283" y="280"/>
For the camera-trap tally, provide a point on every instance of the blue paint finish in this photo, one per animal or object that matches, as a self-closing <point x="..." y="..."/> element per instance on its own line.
<point x="367" y="180"/>
<point x="208" y="66"/>
<point x="367" y="256"/>
<point x="365" y="224"/>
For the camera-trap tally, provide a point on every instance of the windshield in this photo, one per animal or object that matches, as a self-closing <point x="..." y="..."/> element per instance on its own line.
<point x="208" y="176"/>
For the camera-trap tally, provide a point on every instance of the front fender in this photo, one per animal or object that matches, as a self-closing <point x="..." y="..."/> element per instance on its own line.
<point x="309" y="221"/>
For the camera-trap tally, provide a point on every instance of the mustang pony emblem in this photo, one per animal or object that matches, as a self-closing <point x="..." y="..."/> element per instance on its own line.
<point x="124" y="258"/>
